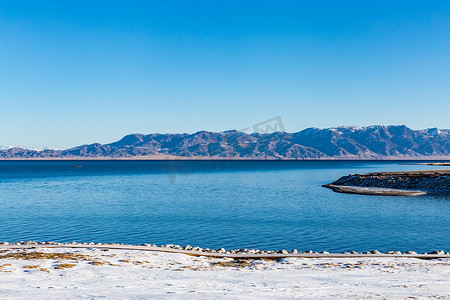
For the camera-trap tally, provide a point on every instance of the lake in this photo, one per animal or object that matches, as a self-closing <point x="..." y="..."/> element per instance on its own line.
<point x="267" y="205"/>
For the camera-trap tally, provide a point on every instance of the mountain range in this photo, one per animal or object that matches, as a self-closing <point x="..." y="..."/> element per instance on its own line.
<point x="372" y="142"/>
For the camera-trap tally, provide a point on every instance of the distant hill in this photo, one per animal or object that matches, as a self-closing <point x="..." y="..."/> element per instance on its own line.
<point x="373" y="142"/>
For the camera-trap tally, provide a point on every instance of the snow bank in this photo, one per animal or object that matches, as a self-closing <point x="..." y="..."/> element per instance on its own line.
<point x="96" y="273"/>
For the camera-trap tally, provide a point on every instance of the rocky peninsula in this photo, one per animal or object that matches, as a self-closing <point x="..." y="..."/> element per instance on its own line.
<point x="408" y="183"/>
<point x="436" y="164"/>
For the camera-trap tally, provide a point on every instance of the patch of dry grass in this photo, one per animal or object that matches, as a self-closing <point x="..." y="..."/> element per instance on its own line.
<point x="31" y="266"/>
<point x="43" y="255"/>
<point x="5" y="265"/>
<point x="64" y="266"/>
<point x="231" y="264"/>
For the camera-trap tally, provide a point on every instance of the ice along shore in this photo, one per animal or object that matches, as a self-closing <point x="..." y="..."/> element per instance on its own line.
<point x="223" y="253"/>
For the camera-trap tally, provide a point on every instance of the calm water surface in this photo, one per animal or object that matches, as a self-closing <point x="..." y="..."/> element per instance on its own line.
<point x="251" y="204"/>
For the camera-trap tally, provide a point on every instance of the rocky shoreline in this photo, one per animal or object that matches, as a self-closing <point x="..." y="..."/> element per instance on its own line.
<point x="237" y="253"/>
<point x="436" y="164"/>
<point x="394" y="183"/>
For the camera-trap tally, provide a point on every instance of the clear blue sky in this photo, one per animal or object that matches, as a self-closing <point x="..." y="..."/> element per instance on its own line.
<point x="74" y="72"/>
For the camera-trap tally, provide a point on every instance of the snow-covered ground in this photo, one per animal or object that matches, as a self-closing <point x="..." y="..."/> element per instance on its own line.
<point x="43" y="273"/>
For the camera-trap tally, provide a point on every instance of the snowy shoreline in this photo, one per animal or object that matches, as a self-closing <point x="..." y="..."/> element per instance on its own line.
<point x="40" y="271"/>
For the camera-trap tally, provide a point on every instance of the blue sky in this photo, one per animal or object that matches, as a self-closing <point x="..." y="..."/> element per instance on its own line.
<point x="74" y="72"/>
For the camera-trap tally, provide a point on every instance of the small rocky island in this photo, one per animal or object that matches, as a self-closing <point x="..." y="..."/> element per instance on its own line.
<point x="409" y="183"/>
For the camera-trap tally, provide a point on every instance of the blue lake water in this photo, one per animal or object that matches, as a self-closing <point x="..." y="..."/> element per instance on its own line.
<point x="239" y="204"/>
